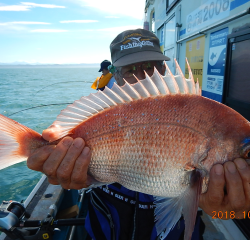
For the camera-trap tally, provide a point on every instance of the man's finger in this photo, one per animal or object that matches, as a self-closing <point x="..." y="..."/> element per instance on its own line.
<point x="55" y="158"/>
<point x="214" y="196"/>
<point x="216" y="184"/>
<point x="65" y="168"/>
<point x="235" y="190"/>
<point x="37" y="159"/>
<point x="244" y="171"/>
<point x="53" y="181"/>
<point x="79" y="173"/>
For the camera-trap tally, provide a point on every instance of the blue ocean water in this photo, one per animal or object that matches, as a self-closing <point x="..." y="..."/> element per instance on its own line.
<point x="29" y="86"/>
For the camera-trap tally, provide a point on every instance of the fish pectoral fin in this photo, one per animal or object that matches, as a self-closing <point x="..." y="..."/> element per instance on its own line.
<point x="168" y="210"/>
<point x="190" y="202"/>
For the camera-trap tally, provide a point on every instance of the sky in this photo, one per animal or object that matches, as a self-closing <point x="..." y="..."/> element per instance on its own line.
<point x="64" y="31"/>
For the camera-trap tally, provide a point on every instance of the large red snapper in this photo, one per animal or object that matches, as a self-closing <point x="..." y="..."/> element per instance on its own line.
<point x="158" y="136"/>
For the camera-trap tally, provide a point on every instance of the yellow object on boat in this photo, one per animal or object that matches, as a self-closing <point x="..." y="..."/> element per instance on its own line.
<point x="102" y="81"/>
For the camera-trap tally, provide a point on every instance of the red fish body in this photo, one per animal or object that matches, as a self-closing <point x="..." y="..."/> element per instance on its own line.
<point x="147" y="139"/>
<point x="143" y="144"/>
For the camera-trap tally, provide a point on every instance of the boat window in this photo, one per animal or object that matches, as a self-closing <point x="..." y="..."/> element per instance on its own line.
<point x="170" y="4"/>
<point x="170" y="33"/>
<point x="170" y="53"/>
<point x="239" y="72"/>
<point x="152" y="21"/>
<point x="160" y="35"/>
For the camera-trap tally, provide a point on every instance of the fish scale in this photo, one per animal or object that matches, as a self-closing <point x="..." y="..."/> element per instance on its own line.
<point x="162" y="143"/>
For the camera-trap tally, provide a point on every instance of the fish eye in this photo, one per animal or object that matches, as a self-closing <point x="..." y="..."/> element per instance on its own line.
<point x="245" y="151"/>
<point x="246" y="155"/>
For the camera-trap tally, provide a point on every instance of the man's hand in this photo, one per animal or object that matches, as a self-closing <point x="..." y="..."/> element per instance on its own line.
<point x="65" y="164"/>
<point x="232" y="204"/>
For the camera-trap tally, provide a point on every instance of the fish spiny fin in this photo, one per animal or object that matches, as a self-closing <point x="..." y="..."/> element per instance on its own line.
<point x="150" y="86"/>
<point x="158" y="80"/>
<point x="170" y="81"/>
<point x="119" y="91"/>
<point x="86" y="107"/>
<point x="105" y="98"/>
<point x="180" y="79"/>
<point x="112" y="95"/>
<point x="190" y="80"/>
<point x="87" y="100"/>
<point x="197" y="87"/>
<point x="168" y="210"/>
<point x="131" y="91"/>
<point x="68" y="118"/>
<point x="139" y="87"/>
<point x="99" y="101"/>
<point x="14" y="138"/>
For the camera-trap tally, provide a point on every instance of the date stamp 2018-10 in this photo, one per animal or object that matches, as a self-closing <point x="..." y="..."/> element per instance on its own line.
<point x="230" y="215"/>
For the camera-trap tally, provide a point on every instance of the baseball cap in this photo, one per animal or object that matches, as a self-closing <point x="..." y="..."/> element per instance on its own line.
<point x="104" y="65"/>
<point x="134" y="46"/>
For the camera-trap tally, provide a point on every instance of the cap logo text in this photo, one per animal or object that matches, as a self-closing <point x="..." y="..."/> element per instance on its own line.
<point x="135" y="42"/>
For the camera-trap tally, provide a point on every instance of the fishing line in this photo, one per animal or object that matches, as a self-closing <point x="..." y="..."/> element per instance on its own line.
<point x="43" y="105"/>
<point x="59" y="83"/>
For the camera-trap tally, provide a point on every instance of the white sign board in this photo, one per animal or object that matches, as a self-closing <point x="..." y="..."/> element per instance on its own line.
<point x="208" y="13"/>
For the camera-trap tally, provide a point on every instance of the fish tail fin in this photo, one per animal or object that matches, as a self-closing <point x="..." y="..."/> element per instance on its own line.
<point x="15" y="141"/>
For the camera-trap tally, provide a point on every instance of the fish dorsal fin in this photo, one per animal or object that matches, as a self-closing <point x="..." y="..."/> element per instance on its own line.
<point x="150" y="86"/>
<point x="170" y="81"/>
<point x="197" y="88"/>
<point x="105" y="98"/>
<point x="112" y="95"/>
<point x="139" y="87"/>
<point x="119" y="91"/>
<point x="190" y="80"/>
<point x="180" y="79"/>
<point x="158" y="80"/>
<point x="131" y="91"/>
<point x="156" y="85"/>
<point x="98" y="100"/>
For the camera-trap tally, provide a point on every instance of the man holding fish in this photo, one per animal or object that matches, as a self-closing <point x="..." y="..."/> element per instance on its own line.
<point x="133" y="53"/>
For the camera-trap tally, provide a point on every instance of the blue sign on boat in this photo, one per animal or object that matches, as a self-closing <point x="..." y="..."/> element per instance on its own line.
<point x="217" y="52"/>
<point x="212" y="87"/>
